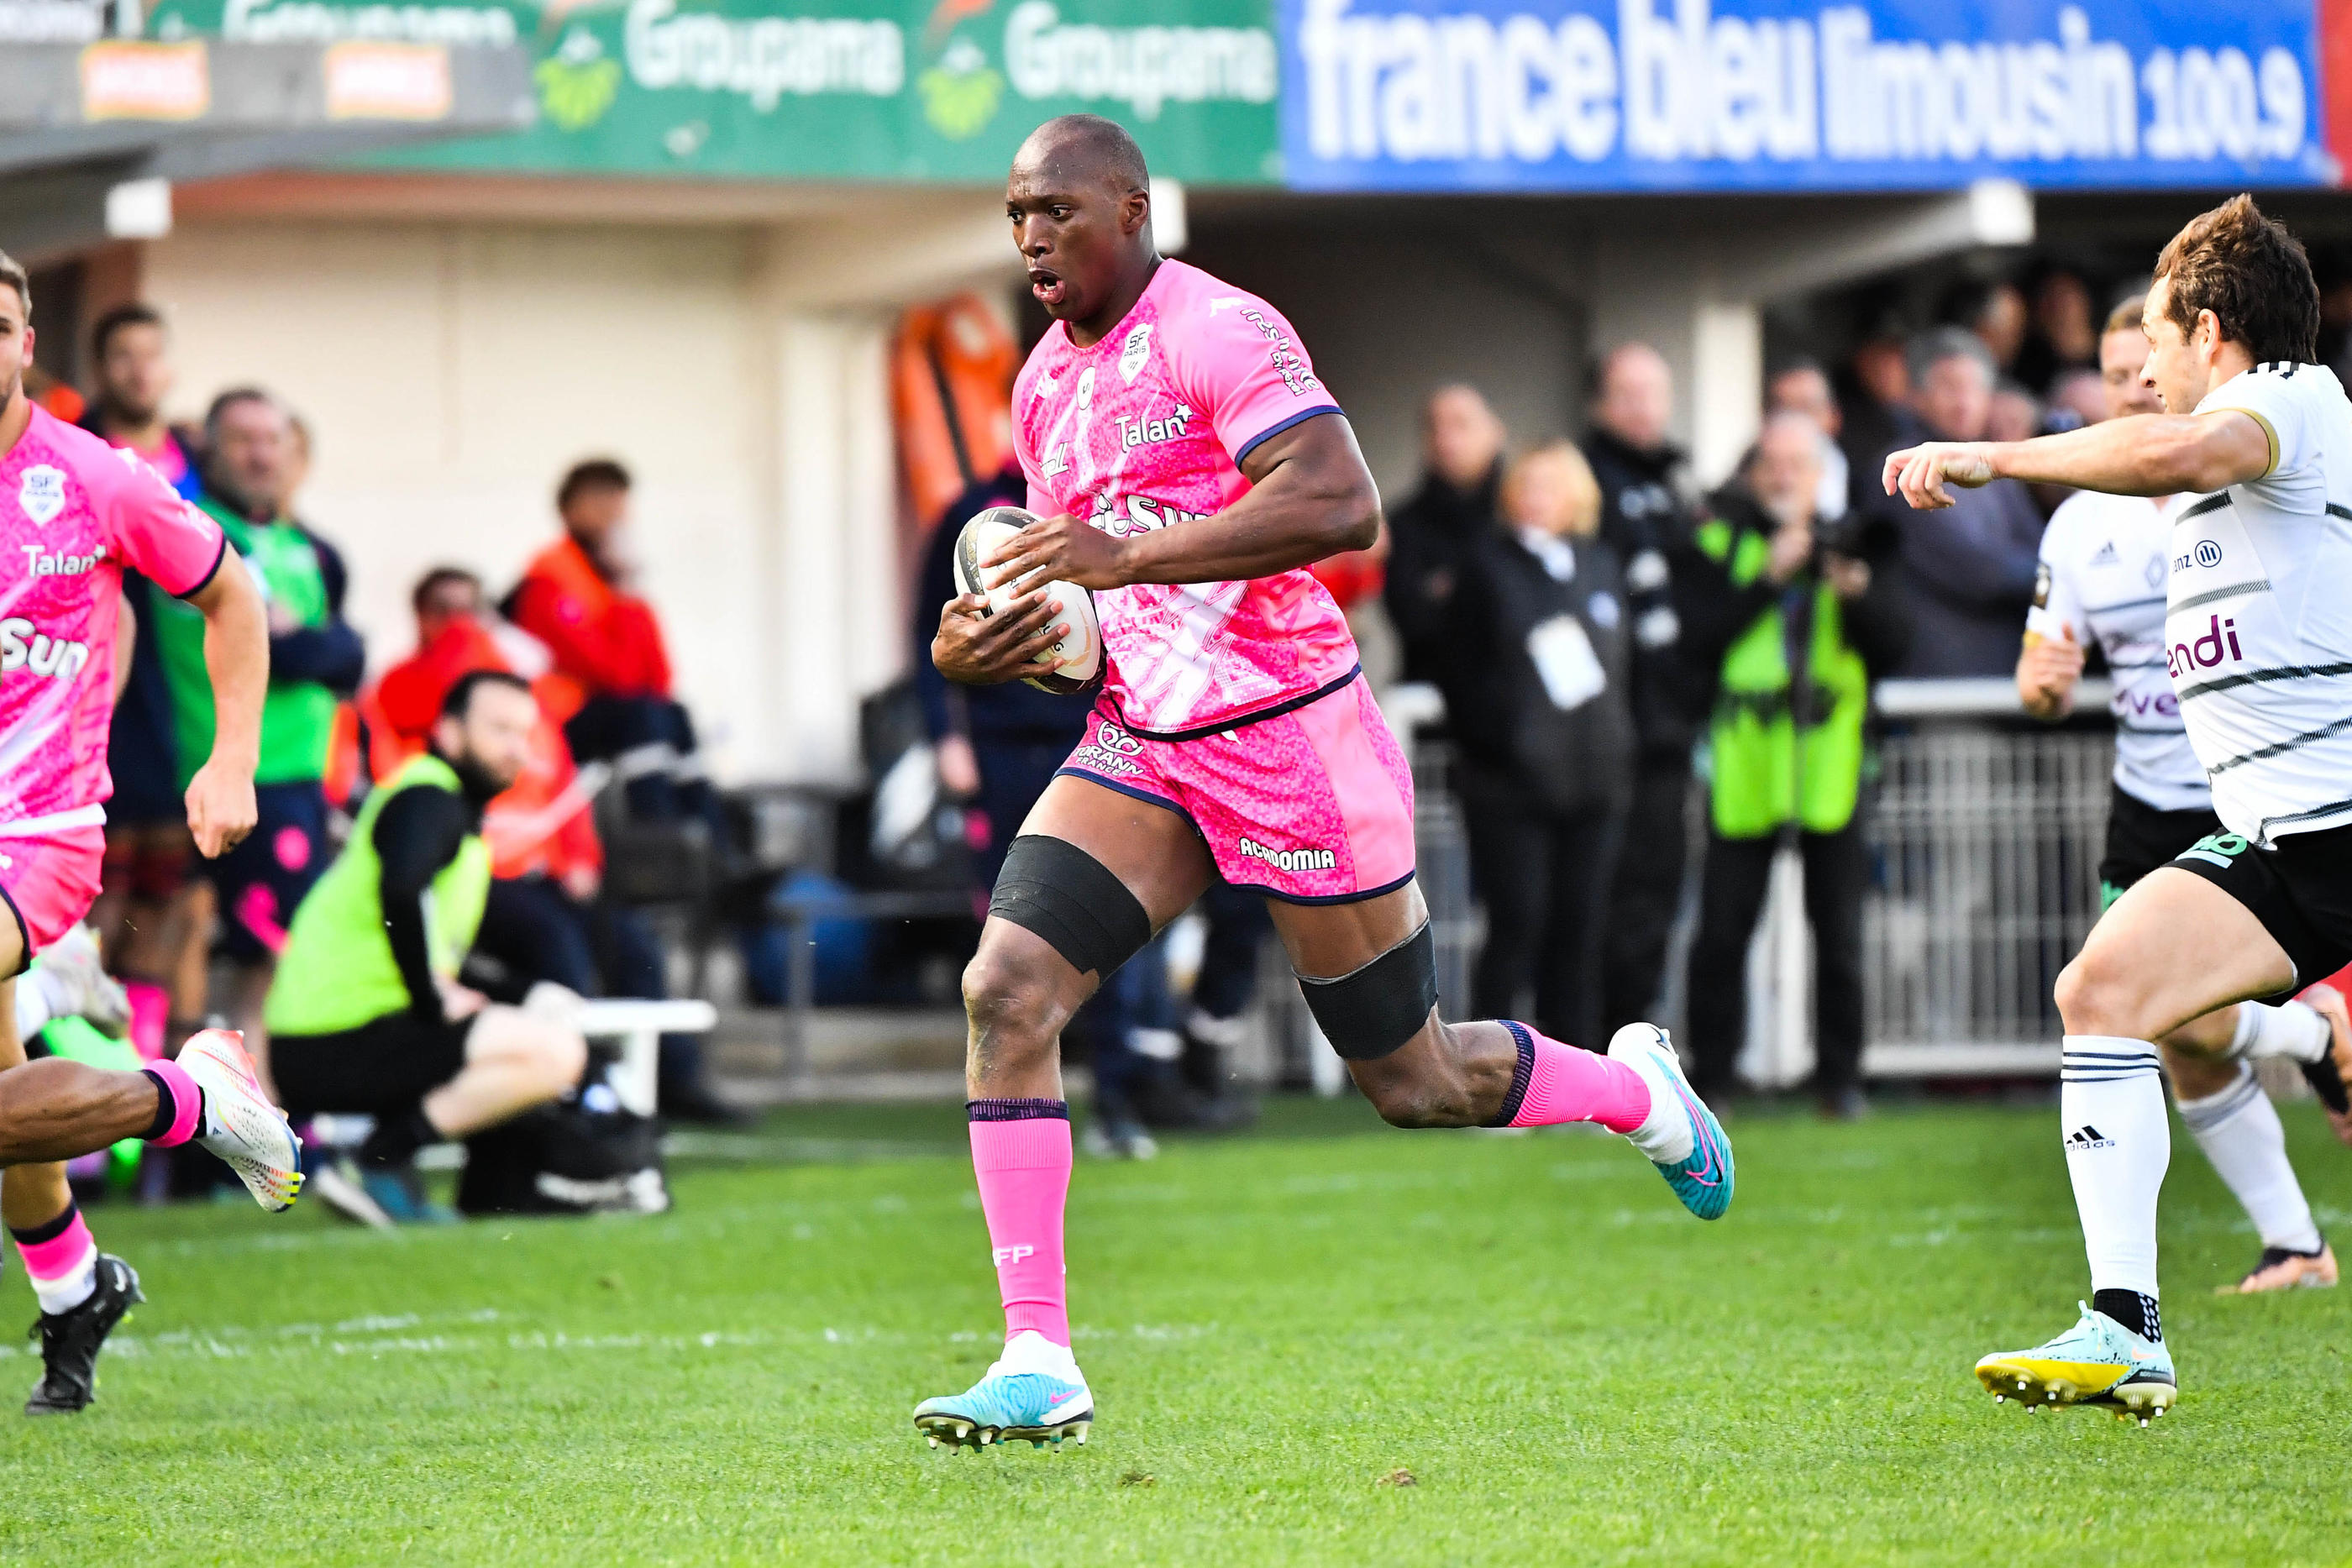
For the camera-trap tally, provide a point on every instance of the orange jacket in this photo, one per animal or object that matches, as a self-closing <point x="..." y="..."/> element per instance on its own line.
<point x="542" y="823"/>
<point x="605" y="642"/>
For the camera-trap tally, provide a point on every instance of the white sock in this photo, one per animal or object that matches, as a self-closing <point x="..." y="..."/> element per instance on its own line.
<point x="71" y="1288"/>
<point x="2239" y="1130"/>
<point x="34" y="1006"/>
<point x="2290" y="1028"/>
<point x="1030" y="1351"/>
<point x="2118" y="1142"/>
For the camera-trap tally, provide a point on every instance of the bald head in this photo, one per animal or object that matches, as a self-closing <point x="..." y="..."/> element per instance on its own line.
<point x="1080" y="201"/>
<point x="1086" y="146"/>
<point x="1634" y="395"/>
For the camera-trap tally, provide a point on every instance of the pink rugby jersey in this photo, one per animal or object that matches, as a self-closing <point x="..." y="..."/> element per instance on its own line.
<point x="73" y="512"/>
<point x="1146" y="430"/>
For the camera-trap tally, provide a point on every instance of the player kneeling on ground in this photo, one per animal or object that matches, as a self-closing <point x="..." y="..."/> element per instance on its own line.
<point x="366" y="1015"/>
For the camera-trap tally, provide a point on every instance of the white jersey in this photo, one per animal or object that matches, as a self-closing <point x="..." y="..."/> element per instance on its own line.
<point x="2101" y="580"/>
<point x="2259" y="625"/>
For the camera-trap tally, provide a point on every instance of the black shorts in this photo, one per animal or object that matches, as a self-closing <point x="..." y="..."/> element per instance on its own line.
<point x="2140" y="838"/>
<point x="263" y="879"/>
<point x="378" y="1069"/>
<point x="2300" y="891"/>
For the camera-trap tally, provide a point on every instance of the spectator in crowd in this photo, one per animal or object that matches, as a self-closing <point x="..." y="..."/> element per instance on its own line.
<point x="1968" y="570"/>
<point x="154" y="916"/>
<point x="1646" y="521"/>
<point x="1876" y="416"/>
<point x="1802" y="387"/>
<point x="1542" y="708"/>
<point x="1996" y="313"/>
<point x="2064" y="337"/>
<point x="367" y="1016"/>
<point x="315" y="660"/>
<point x="998" y="747"/>
<point x="1796" y="633"/>
<point x="2077" y="398"/>
<point x="546" y="918"/>
<point x="612" y="690"/>
<point x="1443" y="521"/>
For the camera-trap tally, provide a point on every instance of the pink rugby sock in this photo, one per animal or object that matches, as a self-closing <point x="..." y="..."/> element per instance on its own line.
<point x="178" y="1103"/>
<point x="1020" y="1153"/>
<point x="59" y="1257"/>
<point x="1556" y="1082"/>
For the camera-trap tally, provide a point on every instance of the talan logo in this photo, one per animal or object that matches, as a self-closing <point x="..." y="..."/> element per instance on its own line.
<point x="42" y="494"/>
<point x="23" y="648"/>
<point x="1134" y="433"/>
<point x="1133" y="352"/>
<point x="39" y="562"/>
<point x="1289" y="859"/>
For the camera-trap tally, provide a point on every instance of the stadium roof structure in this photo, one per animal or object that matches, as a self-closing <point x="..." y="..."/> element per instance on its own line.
<point x="91" y="134"/>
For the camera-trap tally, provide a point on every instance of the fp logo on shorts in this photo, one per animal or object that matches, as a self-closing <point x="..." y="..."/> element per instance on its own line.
<point x="42" y="496"/>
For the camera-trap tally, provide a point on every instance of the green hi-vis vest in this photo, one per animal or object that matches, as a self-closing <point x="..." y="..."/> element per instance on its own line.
<point x="337" y="971"/>
<point x="1764" y="774"/>
<point x="298" y="717"/>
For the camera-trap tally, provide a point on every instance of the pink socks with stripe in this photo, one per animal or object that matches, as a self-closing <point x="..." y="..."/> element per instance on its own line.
<point x="62" y="1258"/>
<point x="1020" y="1153"/>
<point x="1556" y="1082"/>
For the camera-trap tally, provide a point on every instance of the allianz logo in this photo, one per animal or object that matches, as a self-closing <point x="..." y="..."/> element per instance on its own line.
<point x="22" y="647"/>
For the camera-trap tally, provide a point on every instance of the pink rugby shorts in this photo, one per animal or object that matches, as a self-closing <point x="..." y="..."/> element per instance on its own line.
<point x="49" y="884"/>
<point x="1311" y="806"/>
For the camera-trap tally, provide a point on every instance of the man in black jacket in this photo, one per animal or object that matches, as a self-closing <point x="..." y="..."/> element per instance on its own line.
<point x="1646" y="520"/>
<point x="1797" y="633"/>
<point x="1431" y="536"/>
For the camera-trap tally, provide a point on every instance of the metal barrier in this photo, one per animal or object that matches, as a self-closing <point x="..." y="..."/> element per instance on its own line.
<point x="1986" y="838"/>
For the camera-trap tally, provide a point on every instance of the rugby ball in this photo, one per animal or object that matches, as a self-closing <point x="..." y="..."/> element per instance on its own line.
<point x="1080" y="654"/>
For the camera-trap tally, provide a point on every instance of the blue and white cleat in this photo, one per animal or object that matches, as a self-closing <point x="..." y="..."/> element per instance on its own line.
<point x="1034" y="1392"/>
<point x="1682" y="1136"/>
<point x="2096" y="1361"/>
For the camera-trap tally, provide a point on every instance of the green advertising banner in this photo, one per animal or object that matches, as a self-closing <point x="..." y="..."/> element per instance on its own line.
<point x="837" y="89"/>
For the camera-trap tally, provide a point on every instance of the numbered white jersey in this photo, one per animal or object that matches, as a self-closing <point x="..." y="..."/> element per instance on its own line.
<point x="2258" y="627"/>
<point x="2104" y="564"/>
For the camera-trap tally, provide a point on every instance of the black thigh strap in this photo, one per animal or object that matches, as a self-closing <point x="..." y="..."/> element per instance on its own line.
<point x="1372" y="1012"/>
<point x="1052" y="887"/>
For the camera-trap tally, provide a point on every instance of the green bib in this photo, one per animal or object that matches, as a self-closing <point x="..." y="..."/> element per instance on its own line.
<point x="298" y="717"/>
<point x="1765" y="773"/>
<point x="337" y="971"/>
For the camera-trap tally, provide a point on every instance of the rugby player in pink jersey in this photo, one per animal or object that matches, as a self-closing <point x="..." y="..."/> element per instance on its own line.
<point x="1187" y="464"/>
<point x="73" y="513"/>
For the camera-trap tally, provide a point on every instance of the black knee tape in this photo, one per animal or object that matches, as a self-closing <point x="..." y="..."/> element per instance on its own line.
<point x="1052" y="887"/>
<point x="1372" y="1012"/>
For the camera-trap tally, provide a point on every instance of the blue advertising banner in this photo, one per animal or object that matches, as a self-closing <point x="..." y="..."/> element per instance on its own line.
<point x="1654" y="95"/>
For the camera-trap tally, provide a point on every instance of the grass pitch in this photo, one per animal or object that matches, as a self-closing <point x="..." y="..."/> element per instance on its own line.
<point x="1326" y="1343"/>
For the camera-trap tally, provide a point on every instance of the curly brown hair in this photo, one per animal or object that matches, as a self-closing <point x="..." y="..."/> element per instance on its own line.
<point x="2252" y="274"/>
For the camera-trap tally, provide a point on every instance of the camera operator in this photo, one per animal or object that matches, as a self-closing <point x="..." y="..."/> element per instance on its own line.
<point x="1797" y="620"/>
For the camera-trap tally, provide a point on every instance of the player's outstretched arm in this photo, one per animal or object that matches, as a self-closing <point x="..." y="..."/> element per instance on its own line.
<point x="1310" y="496"/>
<point x="237" y="656"/>
<point x="2140" y="454"/>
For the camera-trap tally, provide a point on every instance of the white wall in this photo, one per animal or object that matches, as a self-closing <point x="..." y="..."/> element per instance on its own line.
<point x="452" y="372"/>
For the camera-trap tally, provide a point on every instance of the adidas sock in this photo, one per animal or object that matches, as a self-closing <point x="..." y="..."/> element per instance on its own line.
<point x="62" y="1258"/>
<point x="2239" y="1130"/>
<point x="2290" y="1030"/>
<point x="2118" y="1141"/>
<point x="1021" y="1157"/>
<point x="1556" y="1082"/>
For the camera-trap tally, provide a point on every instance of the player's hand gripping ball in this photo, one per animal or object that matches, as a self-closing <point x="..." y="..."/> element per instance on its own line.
<point x="1072" y="664"/>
